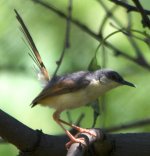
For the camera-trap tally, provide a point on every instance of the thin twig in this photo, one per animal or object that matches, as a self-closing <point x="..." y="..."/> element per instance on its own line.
<point x="129" y="7"/>
<point x="135" y="46"/>
<point x="145" y="18"/>
<point x="137" y="124"/>
<point x="79" y="120"/>
<point x="63" y="15"/>
<point x="129" y="33"/>
<point x="94" y="35"/>
<point x="125" y="31"/>
<point x="106" y="18"/>
<point x="66" y="44"/>
<point x="109" y="14"/>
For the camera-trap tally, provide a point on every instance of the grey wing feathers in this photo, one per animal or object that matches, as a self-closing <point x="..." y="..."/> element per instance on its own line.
<point x="62" y="85"/>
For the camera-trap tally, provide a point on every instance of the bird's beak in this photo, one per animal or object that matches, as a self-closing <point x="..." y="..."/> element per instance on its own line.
<point x="128" y="83"/>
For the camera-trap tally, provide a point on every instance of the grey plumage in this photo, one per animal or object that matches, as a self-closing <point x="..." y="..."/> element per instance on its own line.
<point x="75" y="81"/>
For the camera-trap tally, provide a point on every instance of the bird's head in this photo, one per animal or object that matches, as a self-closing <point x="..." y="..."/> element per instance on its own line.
<point x="111" y="78"/>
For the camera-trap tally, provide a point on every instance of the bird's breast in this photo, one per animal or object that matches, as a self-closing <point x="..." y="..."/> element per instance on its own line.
<point x="77" y="98"/>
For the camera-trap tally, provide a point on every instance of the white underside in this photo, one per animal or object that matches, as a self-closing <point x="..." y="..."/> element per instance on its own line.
<point x="78" y="98"/>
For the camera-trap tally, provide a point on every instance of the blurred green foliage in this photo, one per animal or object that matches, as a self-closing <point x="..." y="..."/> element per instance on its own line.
<point x="18" y="84"/>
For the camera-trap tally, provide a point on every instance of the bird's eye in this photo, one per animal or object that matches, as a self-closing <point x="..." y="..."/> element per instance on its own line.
<point x="116" y="77"/>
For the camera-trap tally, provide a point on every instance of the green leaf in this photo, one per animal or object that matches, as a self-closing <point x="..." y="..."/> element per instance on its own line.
<point x="94" y="65"/>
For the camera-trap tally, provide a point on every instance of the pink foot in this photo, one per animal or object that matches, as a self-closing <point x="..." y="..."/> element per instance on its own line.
<point x="75" y="140"/>
<point x="83" y="130"/>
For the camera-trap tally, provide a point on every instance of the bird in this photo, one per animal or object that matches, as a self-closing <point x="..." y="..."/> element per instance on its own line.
<point x="75" y="90"/>
<point x="71" y="90"/>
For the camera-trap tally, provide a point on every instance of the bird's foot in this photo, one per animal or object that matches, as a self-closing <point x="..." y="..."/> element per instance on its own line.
<point x="83" y="130"/>
<point x="75" y="140"/>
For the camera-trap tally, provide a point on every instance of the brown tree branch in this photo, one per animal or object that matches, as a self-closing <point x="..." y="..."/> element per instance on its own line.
<point x="77" y="149"/>
<point x="130" y="144"/>
<point x="34" y="142"/>
<point x="29" y="142"/>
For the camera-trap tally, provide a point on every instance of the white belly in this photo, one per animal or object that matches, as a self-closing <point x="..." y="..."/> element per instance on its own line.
<point x="76" y="99"/>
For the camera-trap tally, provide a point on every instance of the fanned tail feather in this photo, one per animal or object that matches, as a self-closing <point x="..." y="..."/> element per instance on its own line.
<point x="42" y="73"/>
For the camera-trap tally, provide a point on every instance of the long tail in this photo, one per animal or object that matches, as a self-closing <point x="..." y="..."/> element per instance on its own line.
<point x="34" y="54"/>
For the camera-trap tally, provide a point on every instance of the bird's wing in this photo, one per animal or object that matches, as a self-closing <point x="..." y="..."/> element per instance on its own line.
<point x="62" y="86"/>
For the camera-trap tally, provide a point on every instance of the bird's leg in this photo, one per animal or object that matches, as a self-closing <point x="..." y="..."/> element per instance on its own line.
<point x="72" y="138"/>
<point x="79" y="129"/>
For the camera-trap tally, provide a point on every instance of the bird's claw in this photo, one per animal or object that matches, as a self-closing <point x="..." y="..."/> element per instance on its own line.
<point x="75" y="140"/>
<point x="83" y="130"/>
